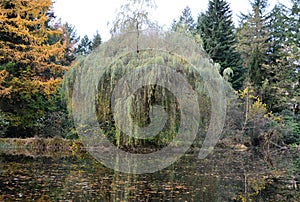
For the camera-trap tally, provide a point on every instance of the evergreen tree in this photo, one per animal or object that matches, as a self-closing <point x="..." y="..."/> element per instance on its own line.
<point x="278" y="25"/>
<point x="295" y="11"/>
<point x="218" y="33"/>
<point x="96" y="41"/>
<point x="275" y="72"/>
<point x="71" y="38"/>
<point x="282" y="70"/>
<point x="185" y="22"/>
<point x="30" y="54"/>
<point x="295" y="22"/>
<point x="84" y="47"/>
<point x="253" y="43"/>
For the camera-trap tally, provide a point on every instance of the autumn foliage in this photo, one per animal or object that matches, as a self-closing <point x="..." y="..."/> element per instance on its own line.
<point x="31" y="48"/>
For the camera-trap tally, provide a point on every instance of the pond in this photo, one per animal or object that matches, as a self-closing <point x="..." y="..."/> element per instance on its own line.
<point x="226" y="175"/>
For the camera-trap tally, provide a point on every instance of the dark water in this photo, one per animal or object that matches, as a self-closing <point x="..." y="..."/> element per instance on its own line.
<point x="226" y="175"/>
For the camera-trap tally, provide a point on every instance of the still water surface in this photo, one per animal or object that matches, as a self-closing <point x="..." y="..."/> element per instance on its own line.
<point x="226" y="175"/>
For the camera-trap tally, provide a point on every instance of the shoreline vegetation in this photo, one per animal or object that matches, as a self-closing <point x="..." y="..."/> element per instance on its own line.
<point x="37" y="146"/>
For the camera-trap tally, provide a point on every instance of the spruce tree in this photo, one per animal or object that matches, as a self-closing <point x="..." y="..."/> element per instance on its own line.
<point x="282" y="70"/>
<point x="253" y="36"/>
<point x="274" y="68"/>
<point x="185" y="22"/>
<point x="71" y="39"/>
<point x="218" y="33"/>
<point x="97" y="40"/>
<point x="278" y="25"/>
<point x="84" y="47"/>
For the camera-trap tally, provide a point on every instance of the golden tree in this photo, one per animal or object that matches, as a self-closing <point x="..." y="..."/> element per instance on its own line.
<point x="31" y="47"/>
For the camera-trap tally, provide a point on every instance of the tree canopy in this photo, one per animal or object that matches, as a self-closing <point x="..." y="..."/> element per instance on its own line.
<point x="259" y="57"/>
<point x="218" y="33"/>
<point x="29" y="60"/>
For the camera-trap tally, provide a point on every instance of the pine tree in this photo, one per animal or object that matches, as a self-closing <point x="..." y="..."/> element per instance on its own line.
<point x="29" y="62"/>
<point x="218" y="33"/>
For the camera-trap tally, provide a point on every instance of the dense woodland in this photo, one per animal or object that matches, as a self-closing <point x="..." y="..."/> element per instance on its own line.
<point x="260" y="58"/>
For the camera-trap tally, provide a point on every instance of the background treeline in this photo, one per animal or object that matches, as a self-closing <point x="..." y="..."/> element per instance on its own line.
<point x="260" y="58"/>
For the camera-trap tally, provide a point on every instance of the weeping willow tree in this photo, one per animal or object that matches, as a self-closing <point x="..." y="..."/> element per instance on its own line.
<point x="145" y="85"/>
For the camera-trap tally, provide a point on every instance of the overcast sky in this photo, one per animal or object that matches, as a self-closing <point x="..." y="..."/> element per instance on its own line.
<point x="88" y="16"/>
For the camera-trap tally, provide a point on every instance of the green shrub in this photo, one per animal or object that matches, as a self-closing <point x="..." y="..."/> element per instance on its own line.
<point x="292" y="127"/>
